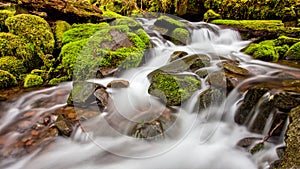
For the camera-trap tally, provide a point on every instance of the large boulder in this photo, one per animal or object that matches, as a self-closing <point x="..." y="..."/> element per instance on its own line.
<point x="294" y="52"/>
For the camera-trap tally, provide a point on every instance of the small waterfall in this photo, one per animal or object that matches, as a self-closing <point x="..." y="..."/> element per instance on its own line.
<point x="195" y="140"/>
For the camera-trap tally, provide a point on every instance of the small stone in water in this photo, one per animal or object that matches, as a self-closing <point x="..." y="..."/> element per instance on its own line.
<point x="118" y="84"/>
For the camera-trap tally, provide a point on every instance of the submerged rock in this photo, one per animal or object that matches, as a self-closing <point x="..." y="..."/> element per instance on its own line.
<point x="148" y="130"/>
<point x="210" y="97"/>
<point x="177" y="55"/>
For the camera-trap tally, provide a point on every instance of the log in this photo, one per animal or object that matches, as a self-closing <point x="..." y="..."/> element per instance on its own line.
<point x="72" y="11"/>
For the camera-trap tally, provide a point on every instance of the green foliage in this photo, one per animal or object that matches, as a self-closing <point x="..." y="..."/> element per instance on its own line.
<point x="12" y="65"/>
<point x="294" y="52"/>
<point x="7" y="79"/>
<point x="32" y="81"/>
<point x="4" y="14"/>
<point x="173" y="90"/>
<point x="60" y="28"/>
<point x="81" y="31"/>
<point x="211" y="15"/>
<point x="34" y="29"/>
<point x="180" y="36"/>
<point x="249" y="9"/>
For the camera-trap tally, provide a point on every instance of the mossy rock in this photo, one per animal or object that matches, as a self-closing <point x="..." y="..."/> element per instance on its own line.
<point x="56" y="81"/>
<point x="7" y="79"/>
<point x="111" y="46"/>
<point x="173" y="89"/>
<point x="281" y="50"/>
<point x="285" y="40"/>
<point x="291" y="158"/>
<point x="264" y="51"/>
<point x="130" y="22"/>
<point x="109" y="13"/>
<point x="30" y="27"/>
<point x="168" y="23"/>
<point x="32" y="80"/>
<point x="59" y="29"/>
<point x="12" y="45"/>
<point x="81" y="31"/>
<point x="12" y="65"/>
<point x="210" y="97"/>
<point x="180" y="36"/>
<point x="69" y="54"/>
<point x="211" y="15"/>
<point x="294" y="52"/>
<point x="4" y="14"/>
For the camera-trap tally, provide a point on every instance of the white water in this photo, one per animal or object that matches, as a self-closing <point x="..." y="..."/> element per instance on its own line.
<point x="196" y="140"/>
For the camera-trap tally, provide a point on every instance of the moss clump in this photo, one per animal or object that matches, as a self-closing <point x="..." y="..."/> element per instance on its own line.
<point x="110" y="14"/>
<point x="211" y="15"/>
<point x="294" y="52"/>
<point x="56" y="81"/>
<point x="252" y="24"/>
<point x="173" y="89"/>
<point x="59" y="29"/>
<point x="168" y="22"/>
<point x="7" y="79"/>
<point x="281" y="50"/>
<point x="12" y="65"/>
<point x="34" y="29"/>
<point x="130" y="22"/>
<point x="12" y="45"/>
<point x="265" y="50"/>
<point x="33" y="80"/>
<point x="69" y="54"/>
<point x="284" y="40"/>
<point x="143" y="36"/>
<point x="180" y="36"/>
<point x="291" y="156"/>
<point x="4" y="14"/>
<point x="81" y="31"/>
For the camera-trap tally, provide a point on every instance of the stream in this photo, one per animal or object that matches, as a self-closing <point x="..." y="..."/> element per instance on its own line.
<point x="194" y="139"/>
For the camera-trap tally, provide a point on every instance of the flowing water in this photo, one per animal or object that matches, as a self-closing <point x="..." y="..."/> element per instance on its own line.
<point x="195" y="140"/>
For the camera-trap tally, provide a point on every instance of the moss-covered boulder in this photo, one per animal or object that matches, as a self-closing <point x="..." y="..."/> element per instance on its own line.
<point x="7" y="79"/>
<point x="168" y="23"/>
<point x="32" y="80"/>
<point x="12" y="65"/>
<point x="173" y="89"/>
<point x="285" y="40"/>
<point x="12" y="45"/>
<point x="264" y="51"/>
<point x="59" y="29"/>
<point x="112" y="46"/>
<point x="130" y="22"/>
<point x="81" y="31"/>
<point x="291" y="158"/>
<point x="294" y="52"/>
<point x="34" y="30"/>
<point x="4" y="14"/>
<point x="180" y="36"/>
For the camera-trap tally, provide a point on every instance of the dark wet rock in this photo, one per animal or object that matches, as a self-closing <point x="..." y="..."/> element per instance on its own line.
<point x="188" y="63"/>
<point x="102" y="97"/>
<point x="202" y="73"/>
<point x="63" y="125"/>
<point x="210" y="97"/>
<point x="103" y="72"/>
<point x="82" y="93"/>
<point x="177" y="55"/>
<point x="173" y="89"/>
<point x="217" y="79"/>
<point x="118" y="84"/>
<point x="236" y="69"/>
<point x="148" y="130"/>
<point x="247" y="142"/>
<point x="291" y="156"/>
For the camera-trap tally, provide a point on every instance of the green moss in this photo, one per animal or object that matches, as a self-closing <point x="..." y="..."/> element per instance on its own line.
<point x="81" y="31"/>
<point x="211" y="15"/>
<point x="294" y="52"/>
<point x="69" y="54"/>
<point x="284" y="40"/>
<point x="169" y="21"/>
<point x="12" y="65"/>
<point x="7" y="79"/>
<point x="34" y="29"/>
<point x="4" y="14"/>
<point x="56" y="81"/>
<point x="130" y="22"/>
<point x="60" y="28"/>
<point x="252" y="24"/>
<point x="281" y="50"/>
<point x="266" y="53"/>
<point x="173" y="90"/>
<point x="32" y="81"/>
<point x="143" y="36"/>
<point x="180" y="36"/>
<point x="12" y="45"/>
<point x="110" y="14"/>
